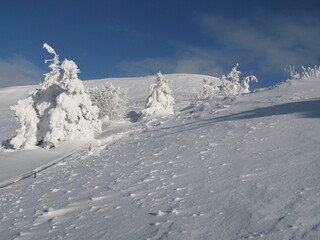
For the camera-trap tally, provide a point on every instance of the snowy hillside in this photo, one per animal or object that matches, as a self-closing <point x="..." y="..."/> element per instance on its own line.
<point x="245" y="167"/>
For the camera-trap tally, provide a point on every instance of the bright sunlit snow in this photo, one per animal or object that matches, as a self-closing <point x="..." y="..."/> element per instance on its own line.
<point x="241" y="167"/>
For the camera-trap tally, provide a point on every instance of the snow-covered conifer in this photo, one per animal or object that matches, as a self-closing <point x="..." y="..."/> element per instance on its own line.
<point x="110" y="101"/>
<point x="57" y="111"/>
<point x="160" y="101"/>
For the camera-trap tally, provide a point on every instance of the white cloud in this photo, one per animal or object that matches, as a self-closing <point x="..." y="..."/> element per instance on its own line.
<point x="185" y="59"/>
<point x="268" y="44"/>
<point x="263" y="44"/>
<point x="17" y="71"/>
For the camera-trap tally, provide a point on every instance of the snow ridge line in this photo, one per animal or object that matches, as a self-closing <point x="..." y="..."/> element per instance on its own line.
<point x="20" y="177"/>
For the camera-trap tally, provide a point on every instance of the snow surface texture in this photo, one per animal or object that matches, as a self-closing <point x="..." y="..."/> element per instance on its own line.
<point x="59" y="110"/>
<point x="160" y="101"/>
<point x="245" y="167"/>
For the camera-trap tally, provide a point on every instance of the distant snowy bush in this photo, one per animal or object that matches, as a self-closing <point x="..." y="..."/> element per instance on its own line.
<point x="110" y="101"/>
<point x="230" y="85"/>
<point x="306" y="72"/>
<point x="292" y="73"/>
<point x="160" y="101"/>
<point x="57" y="111"/>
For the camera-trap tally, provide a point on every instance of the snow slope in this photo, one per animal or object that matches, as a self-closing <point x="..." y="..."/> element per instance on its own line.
<point x="245" y="167"/>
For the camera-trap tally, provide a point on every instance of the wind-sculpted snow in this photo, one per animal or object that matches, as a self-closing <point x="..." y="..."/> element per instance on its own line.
<point x="245" y="167"/>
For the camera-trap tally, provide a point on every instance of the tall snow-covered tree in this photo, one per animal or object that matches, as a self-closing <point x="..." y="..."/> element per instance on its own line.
<point x="57" y="111"/>
<point x="160" y="101"/>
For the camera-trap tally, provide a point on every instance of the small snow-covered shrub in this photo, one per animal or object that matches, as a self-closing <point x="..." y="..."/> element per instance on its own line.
<point x="196" y="99"/>
<point x="209" y="89"/>
<point x="292" y="72"/>
<point x="110" y="101"/>
<point x="230" y="85"/>
<point x="310" y="72"/>
<point x="306" y="72"/>
<point x="160" y="101"/>
<point x="57" y="111"/>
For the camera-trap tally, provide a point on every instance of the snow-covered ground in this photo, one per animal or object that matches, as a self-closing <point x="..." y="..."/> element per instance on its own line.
<point x="245" y="167"/>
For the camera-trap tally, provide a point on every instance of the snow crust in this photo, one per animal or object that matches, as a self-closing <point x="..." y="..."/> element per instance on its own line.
<point x="240" y="167"/>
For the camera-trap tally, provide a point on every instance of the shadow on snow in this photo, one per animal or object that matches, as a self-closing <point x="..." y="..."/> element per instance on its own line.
<point x="306" y="109"/>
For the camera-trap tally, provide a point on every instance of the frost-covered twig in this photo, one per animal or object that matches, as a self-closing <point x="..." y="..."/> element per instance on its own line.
<point x="311" y="72"/>
<point x="292" y="72"/>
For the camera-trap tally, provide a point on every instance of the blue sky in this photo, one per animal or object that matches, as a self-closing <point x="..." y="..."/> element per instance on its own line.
<point x="122" y="38"/>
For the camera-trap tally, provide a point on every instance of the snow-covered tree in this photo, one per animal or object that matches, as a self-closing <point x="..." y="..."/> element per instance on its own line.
<point x="57" y="111"/>
<point x="160" y="101"/>
<point x="110" y="101"/>
<point x="231" y="86"/>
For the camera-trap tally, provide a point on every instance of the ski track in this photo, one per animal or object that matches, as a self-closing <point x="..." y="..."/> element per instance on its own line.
<point x="192" y="176"/>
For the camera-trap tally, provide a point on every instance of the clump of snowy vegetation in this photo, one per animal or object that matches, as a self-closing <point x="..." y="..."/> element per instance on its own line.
<point x="306" y="72"/>
<point x="160" y="101"/>
<point x="57" y="111"/>
<point x="110" y="101"/>
<point x="230" y="85"/>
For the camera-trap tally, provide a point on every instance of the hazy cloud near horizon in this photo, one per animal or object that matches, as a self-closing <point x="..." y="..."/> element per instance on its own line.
<point x="18" y="71"/>
<point x="271" y="44"/>
<point x="260" y="43"/>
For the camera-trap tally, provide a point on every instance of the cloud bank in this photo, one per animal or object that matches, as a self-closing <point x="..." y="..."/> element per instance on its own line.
<point x="270" y="44"/>
<point x="264" y="43"/>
